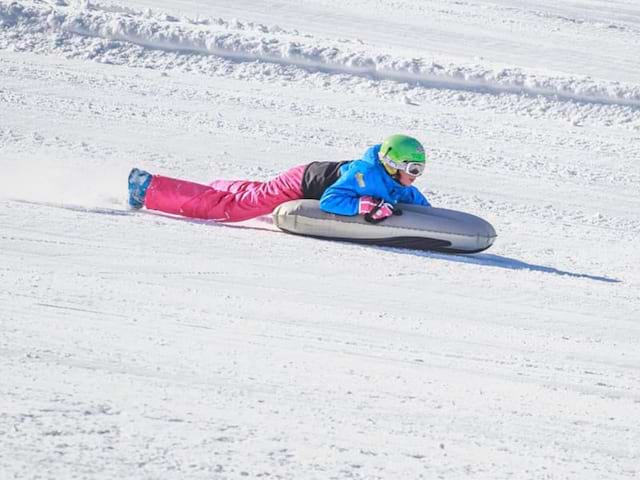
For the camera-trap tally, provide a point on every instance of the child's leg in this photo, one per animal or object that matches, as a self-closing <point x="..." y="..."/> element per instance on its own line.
<point x="235" y="203"/>
<point x="233" y="186"/>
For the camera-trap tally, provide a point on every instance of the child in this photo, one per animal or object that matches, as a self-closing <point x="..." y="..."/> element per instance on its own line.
<point x="371" y="186"/>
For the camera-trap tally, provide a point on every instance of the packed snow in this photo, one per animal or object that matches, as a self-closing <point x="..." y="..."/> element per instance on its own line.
<point x="139" y="345"/>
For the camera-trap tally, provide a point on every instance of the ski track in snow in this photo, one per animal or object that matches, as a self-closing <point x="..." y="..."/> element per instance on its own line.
<point x="220" y="47"/>
<point x="138" y="345"/>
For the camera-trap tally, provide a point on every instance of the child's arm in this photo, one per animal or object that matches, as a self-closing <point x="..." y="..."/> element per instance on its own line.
<point x="414" y="196"/>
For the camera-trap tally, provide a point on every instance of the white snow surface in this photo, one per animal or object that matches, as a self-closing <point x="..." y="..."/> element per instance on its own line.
<point x="140" y="345"/>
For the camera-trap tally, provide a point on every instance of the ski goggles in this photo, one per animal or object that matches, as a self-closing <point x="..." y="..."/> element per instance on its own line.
<point x="414" y="169"/>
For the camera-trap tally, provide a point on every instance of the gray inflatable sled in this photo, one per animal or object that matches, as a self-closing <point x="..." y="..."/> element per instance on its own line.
<point x="420" y="228"/>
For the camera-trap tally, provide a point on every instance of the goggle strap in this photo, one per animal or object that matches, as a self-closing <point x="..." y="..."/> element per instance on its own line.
<point x="390" y="162"/>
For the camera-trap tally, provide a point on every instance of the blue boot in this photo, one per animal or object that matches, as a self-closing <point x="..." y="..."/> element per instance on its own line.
<point x="139" y="181"/>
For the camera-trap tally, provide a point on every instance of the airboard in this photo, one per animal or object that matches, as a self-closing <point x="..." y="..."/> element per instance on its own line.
<point x="422" y="228"/>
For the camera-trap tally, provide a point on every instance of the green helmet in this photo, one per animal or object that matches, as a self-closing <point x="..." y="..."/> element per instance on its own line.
<point x="398" y="151"/>
<point x="402" y="148"/>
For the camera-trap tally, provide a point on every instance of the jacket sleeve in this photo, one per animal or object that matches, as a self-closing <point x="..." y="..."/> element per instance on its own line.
<point x="413" y="195"/>
<point x="342" y="198"/>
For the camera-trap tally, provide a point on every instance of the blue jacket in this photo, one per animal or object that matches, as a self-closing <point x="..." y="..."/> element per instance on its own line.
<point x="366" y="176"/>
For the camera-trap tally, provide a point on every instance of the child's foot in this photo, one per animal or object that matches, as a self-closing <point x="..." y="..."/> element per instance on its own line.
<point x="139" y="181"/>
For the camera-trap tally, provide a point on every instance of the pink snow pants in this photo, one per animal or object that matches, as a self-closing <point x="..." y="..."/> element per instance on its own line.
<point x="223" y="200"/>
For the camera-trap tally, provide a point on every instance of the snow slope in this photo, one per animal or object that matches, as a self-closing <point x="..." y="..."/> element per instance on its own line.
<point x="138" y="345"/>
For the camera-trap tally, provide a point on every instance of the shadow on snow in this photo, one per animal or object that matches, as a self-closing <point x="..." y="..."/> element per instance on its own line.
<point x="491" y="260"/>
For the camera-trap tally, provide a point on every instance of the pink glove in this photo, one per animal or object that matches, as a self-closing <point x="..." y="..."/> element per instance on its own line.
<point x="374" y="210"/>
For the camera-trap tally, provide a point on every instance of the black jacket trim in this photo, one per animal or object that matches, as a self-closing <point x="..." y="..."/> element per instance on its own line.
<point x="318" y="176"/>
